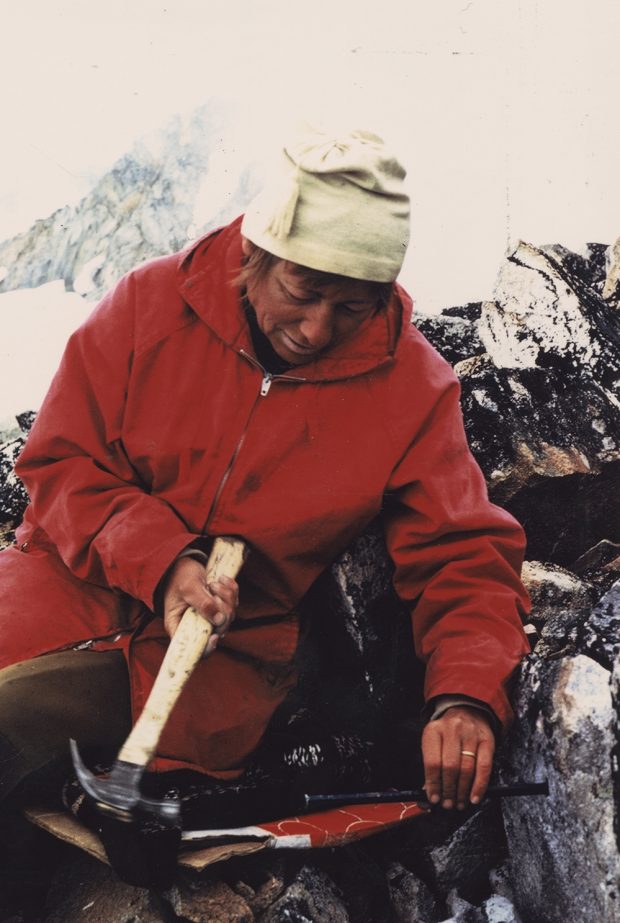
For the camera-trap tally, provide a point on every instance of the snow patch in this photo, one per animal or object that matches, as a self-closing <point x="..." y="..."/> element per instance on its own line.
<point x="36" y="324"/>
<point x="85" y="282"/>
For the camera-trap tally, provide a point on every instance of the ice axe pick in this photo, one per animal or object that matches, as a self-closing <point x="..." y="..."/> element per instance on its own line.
<point x="119" y="793"/>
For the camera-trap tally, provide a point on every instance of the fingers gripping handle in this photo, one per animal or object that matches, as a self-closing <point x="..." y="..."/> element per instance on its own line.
<point x="184" y="651"/>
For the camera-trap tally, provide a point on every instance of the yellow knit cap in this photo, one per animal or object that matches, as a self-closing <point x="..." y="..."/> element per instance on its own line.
<point x="337" y="204"/>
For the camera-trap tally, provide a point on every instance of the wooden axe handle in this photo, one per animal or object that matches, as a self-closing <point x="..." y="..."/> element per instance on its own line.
<point x="184" y="651"/>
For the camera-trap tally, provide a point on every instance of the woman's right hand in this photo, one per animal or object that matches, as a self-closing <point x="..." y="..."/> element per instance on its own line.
<point x="187" y="586"/>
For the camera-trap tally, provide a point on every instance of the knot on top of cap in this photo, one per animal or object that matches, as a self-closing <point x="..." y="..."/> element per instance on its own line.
<point x="337" y="204"/>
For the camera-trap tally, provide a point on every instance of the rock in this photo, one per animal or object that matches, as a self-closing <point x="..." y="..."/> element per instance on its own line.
<point x="311" y="898"/>
<point x="463" y="911"/>
<point x="89" y="892"/>
<point x="586" y="268"/>
<point x="564" y="861"/>
<point x="542" y="408"/>
<point x="611" y="288"/>
<point x="360" y="644"/>
<point x="600" y="633"/>
<point x="208" y="901"/>
<point x="412" y="901"/>
<point x="465" y="860"/>
<point x="13" y="496"/>
<point x="599" y="565"/>
<point x="453" y="336"/>
<point x="499" y="909"/>
<point x="259" y="896"/>
<point x="543" y="318"/>
<point x="528" y="425"/>
<point x="553" y="588"/>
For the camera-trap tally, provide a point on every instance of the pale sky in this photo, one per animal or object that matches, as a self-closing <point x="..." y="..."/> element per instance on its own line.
<point x="504" y="111"/>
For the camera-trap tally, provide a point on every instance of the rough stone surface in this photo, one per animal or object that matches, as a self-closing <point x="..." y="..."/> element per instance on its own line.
<point x="600" y="634"/>
<point x="600" y="565"/>
<point x="611" y="287"/>
<point x="553" y="588"/>
<point x="13" y="496"/>
<point x="89" y="892"/>
<point x="543" y="316"/>
<point x="563" y="852"/>
<point x="311" y="898"/>
<point x="369" y="645"/>
<point x="411" y="899"/>
<point x="454" y="337"/>
<point x="527" y="425"/>
<point x="207" y="901"/>
<point x="464" y="861"/>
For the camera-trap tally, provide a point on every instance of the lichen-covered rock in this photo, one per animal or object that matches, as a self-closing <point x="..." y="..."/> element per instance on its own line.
<point x="563" y="852"/>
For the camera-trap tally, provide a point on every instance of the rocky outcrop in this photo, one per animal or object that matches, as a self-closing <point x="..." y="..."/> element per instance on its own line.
<point x="153" y="201"/>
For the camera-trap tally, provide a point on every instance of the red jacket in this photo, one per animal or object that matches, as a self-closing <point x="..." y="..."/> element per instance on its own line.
<point x="160" y="427"/>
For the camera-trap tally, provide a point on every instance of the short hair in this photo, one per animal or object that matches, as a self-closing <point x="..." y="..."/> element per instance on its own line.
<point x="259" y="262"/>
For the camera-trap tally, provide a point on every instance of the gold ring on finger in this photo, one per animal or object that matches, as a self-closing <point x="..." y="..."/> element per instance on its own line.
<point x="468" y="753"/>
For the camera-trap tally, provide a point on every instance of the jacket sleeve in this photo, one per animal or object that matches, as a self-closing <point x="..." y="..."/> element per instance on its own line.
<point x="83" y="489"/>
<point x="458" y="559"/>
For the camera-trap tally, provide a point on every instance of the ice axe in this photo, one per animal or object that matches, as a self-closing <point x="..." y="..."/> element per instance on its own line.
<point x="119" y="794"/>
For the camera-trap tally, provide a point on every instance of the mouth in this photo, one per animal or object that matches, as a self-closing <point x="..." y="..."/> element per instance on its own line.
<point x="298" y="348"/>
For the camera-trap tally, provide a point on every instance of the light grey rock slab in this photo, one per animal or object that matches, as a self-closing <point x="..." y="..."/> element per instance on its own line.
<point x="564" y="862"/>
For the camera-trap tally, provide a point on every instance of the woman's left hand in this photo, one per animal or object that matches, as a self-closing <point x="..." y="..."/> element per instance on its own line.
<point x="458" y="750"/>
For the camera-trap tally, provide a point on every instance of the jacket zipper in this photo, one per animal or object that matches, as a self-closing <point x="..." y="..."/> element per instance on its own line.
<point x="265" y="387"/>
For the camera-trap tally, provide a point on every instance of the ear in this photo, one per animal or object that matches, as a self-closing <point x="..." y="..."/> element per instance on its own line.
<point x="247" y="246"/>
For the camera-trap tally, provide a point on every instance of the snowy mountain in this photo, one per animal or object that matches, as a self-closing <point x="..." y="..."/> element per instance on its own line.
<point x="173" y="185"/>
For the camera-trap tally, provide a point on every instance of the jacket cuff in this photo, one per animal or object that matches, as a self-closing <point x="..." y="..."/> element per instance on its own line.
<point x="197" y="550"/>
<point x="440" y="705"/>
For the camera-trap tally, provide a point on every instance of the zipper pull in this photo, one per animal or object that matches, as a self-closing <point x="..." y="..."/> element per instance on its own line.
<point x="266" y="384"/>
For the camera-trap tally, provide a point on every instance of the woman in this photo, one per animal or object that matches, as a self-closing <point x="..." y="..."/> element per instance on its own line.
<point x="266" y="383"/>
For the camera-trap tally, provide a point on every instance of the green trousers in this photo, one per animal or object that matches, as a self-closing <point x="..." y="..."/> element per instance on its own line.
<point x="46" y="701"/>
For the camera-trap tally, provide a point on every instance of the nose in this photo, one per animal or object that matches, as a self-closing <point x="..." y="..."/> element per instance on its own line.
<point x="317" y="325"/>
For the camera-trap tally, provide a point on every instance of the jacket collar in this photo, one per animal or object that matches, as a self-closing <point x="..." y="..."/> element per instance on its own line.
<point x="205" y="275"/>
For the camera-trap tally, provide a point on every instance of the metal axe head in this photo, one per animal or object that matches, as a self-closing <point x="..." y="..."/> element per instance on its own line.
<point x="119" y="793"/>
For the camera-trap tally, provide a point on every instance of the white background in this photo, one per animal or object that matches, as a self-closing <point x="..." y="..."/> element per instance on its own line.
<point x="504" y="111"/>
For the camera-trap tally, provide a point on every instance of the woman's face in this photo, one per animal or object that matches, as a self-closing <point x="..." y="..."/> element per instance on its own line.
<point x="301" y="319"/>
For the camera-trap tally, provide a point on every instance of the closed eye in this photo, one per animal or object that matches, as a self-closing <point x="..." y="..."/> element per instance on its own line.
<point x="353" y="309"/>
